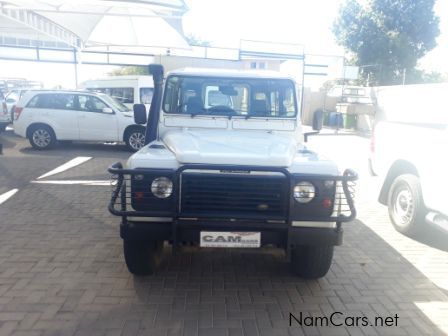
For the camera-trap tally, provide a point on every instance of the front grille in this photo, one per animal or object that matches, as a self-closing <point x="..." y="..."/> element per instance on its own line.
<point x="234" y="195"/>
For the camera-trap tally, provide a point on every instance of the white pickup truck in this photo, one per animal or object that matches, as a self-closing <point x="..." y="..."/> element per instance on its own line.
<point x="225" y="166"/>
<point x="409" y="151"/>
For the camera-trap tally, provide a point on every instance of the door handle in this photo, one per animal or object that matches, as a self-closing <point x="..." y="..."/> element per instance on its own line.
<point x="81" y="117"/>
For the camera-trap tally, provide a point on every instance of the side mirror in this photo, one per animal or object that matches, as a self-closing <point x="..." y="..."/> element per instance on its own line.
<point x="140" y="114"/>
<point x="107" y="110"/>
<point x="318" y="119"/>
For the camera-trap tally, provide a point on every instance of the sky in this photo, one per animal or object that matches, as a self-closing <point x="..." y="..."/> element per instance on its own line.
<point x="309" y="23"/>
<point x="293" y="21"/>
<point x="225" y="22"/>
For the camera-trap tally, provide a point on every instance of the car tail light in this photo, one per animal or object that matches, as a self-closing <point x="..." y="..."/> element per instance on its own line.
<point x="17" y="111"/>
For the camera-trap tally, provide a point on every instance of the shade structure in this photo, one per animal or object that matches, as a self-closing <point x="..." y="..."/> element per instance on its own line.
<point x="97" y="23"/>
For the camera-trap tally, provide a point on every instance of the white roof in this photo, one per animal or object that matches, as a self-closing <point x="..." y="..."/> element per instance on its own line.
<point x="213" y="72"/>
<point x="66" y="91"/>
<point x="118" y="78"/>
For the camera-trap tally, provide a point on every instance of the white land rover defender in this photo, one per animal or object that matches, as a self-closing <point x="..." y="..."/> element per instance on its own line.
<point x="224" y="166"/>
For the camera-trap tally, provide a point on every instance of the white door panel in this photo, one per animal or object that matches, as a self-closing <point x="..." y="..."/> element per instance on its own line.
<point x="97" y="126"/>
<point x="56" y="110"/>
<point x="94" y="125"/>
<point x="64" y="123"/>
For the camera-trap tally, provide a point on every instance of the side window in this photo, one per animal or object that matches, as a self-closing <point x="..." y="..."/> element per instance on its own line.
<point x="35" y="101"/>
<point x="146" y="95"/>
<point x="59" y="101"/>
<point x="123" y="95"/>
<point x="100" y="90"/>
<point x="90" y="104"/>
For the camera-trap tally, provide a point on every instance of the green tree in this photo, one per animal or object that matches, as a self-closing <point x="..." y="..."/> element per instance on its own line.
<point x="387" y="36"/>
<point x="196" y="41"/>
<point x="130" y="70"/>
<point x="417" y="76"/>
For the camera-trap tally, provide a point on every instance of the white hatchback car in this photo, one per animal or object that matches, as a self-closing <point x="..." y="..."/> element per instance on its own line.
<point x="44" y="117"/>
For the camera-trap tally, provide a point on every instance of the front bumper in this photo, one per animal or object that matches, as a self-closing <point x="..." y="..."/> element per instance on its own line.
<point x="187" y="232"/>
<point x="282" y="231"/>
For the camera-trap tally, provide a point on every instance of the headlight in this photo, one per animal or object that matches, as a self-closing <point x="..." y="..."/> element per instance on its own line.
<point x="162" y="187"/>
<point x="304" y="192"/>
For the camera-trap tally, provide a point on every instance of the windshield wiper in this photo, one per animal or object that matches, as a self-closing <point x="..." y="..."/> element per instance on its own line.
<point x="194" y="114"/>
<point x="265" y="115"/>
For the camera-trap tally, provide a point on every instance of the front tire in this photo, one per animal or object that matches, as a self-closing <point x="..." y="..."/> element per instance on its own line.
<point x="135" y="139"/>
<point x="142" y="257"/>
<point x="311" y="261"/>
<point x="405" y="204"/>
<point x="42" y="137"/>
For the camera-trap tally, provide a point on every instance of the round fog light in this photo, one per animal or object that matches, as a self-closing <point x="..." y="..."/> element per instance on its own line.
<point x="162" y="187"/>
<point x="304" y="192"/>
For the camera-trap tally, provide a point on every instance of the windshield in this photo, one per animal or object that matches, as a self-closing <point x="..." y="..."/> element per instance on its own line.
<point x="268" y="98"/>
<point x="115" y="104"/>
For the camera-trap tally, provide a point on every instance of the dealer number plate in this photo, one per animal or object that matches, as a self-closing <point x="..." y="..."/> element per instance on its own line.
<point x="230" y="239"/>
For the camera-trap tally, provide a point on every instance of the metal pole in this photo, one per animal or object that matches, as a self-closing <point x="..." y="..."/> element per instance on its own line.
<point x="75" y="58"/>
<point x="302" y="103"/>
<point x="404" y="76"/>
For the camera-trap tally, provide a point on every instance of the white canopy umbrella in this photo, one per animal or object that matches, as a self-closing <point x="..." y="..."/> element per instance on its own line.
<point x="101" y="23"/>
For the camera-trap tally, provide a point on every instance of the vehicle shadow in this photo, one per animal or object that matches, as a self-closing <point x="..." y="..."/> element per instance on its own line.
<point x="79" y="265"/>
<point x="64" y="148"/>
<point x="97" y="150"/>
<point x="212" y="291"/>
<point x="433" y="236"/>
<point x="6" y="139"/>
<point x="255" y="287"/>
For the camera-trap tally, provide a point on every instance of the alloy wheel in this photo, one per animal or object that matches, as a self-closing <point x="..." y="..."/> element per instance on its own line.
<point x="42" y="138"/>
<point x="136" y="140"/>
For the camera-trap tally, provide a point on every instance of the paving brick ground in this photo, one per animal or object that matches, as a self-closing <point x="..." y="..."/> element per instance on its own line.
<point x="62" y="270"/>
